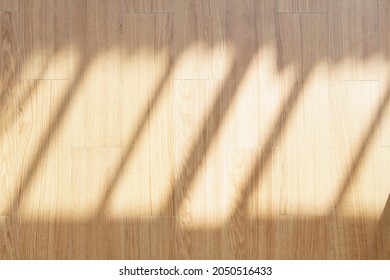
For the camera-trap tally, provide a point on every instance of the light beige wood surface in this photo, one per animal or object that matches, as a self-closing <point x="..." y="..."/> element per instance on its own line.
<point x="8" y="106"/>
<point x="305" y="141"/>
<point x="202" y="23"/>
<point x="384" y="228"/>
<point x="9" y="5"/>
<point x="355" y="145"/>
<point x="8" y="238"/>
<point x="384" y="48"/>
<point x="44" y="183"/>
<point x="147" y="6"/>
<point x="353" y="37"/>
<point x="44" y="40"/>
<point x="94" y="28"/>
<point x="300" y="236"/>
<point x="185" y="129"/>
<point x="302" y="6"/>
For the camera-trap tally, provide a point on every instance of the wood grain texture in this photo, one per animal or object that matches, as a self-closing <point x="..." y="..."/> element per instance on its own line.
<point x="200" y="201"/>
<point x="44" y="240"/>
<point x="8" y="106"/>
<point x="91" y="168"/>
<point x="303" y="237"/>
<point x="150" y="238"/>
<point x="96" y="104"/>
<point x="255" y="189"/>
<point x="384" y="220"/>
<point x="302" y="6"/>
<point x="9" y="5"/>
<point x="251" y="124"/>
<point x="384" y="225"/>
<point x="357" y="165"/>
<point x="201" y="243"/>
<point x="192" y="102"/>
<point x="147" y="119"/>
<point x="8" y="239"/>
<point x="355" y="152"/>
<point x="244" y="132"/>
<point x="353" y="40"/>
<point x="44" y="39"/>
<point x="44" y="153"/>
<point x="354" y="238"/>
<point x="305" y="141"/>
<point x="186" y="129"/>
<point x="147" y="6"/>
<point x="384" y="48"/>
<point x="200" y="49"/>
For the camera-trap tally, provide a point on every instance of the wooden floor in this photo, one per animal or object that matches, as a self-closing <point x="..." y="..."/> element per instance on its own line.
<point x="195" y="129"/>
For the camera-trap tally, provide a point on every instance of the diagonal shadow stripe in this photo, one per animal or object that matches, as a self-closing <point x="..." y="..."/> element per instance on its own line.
<point x="133" y="143"/>
<point x="384" y="225"/>
<point x="262" y="162"/>
<point x="209" y="132"/>
<point x="42" y="150"/>
<point x="362" y="150"/>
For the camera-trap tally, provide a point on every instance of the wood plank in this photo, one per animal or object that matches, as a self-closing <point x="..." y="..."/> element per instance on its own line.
<point x="44" y="162"/>
<point x="202" y="243"/>
<point x="354" y="238"/>
<point x="9" y="5"/>
<point x="147" y="6"/>
<point x="254" y="188"/>
<point x="353" y="40"/>
<point x="244" y="118"/>
<point x="384" y="220"/>
<point x="355" y="152"/>
<point x="95" y="233"/>
<point x="133" y="238"/>
<point x="302" y="237"/>
<point x="239" y="189"/>
<point x="44" y="39"/>
<point x="157" y="237"/>
<point x="146" y="93"/>
<point x="305" y="140"/>
<point x="8" y="107"/>
<point x="201" y="217"/>
<point x="91" y="169"/>
<point x="384" y="227"/>
<point x="44" y="152"/>
<point x="253" y="50"/>
<point x="192" y="103"/>
<point x="357" y="170"/>
<point x="303" y="6"/>
<point x="384" y="50"/>
<point x="160" y="120"/>
<point x="96" y="105"/>
<point x="44" y="240"/>
<point x="255" y="109"/>
<point x="8" y="239"/>
<point x="263" y="239"/>
<point x="262" y="176"/>
<point x="150" y="238"/>
<point x="248" y="120"/>
<point x="199" y="39"/>
<point x="100" y="239"/>
<point x="266" y="88"/>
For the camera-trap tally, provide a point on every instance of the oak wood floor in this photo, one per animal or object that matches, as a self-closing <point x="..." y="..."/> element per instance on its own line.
<point x="195" y="129"/>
